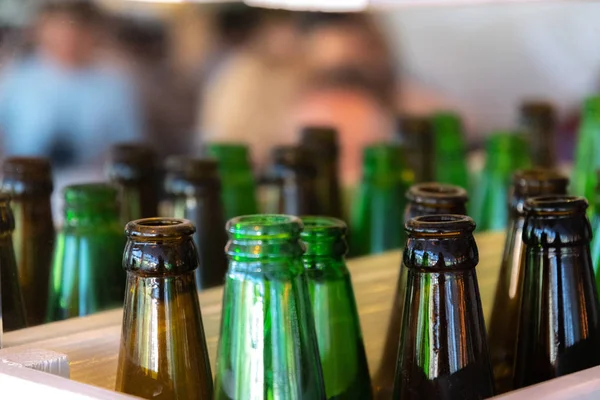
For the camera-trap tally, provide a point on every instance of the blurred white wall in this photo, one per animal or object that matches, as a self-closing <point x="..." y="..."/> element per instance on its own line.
<point x="483" y="60"/>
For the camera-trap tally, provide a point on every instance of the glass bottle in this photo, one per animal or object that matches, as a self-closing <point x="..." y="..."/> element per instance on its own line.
<point x="505" y="312"/>
<point x="430" y="198"/>
<point x="538" y="121"/>
<point x="443" y="350"/>
<point x="595" y="244"/>
<point x="239" y="186"/>
<point x="506" y="152"/>
<point x="163" y="353"/>
<point x="196" y="194"/>
<point x="418" y="139"/>
<point x="337" y="325"/>
<point x="295" y="174"/>
<point x="450" y="149"/>
<point x="86" y="275"/>
<point x="323" y="144"/>
<point x="29" y="182"/>
<point x="12" y="312"/>
<point x="268" y="346"/>
<point x="558" y="331"/>
<point x="376" y="219"/>
<point x="133" y="168"/>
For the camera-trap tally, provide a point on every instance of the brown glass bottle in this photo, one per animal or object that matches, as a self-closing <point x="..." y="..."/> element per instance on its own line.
<point x="538" y="121"/>
<point x="430" y="198"/>
<point x="29" y="182"/>
<point x="417" y="137"/>
<point x="323" y="144"/>
<point x="196" y="196"/>
<point x="163" y="352"/>
<point x="295" y="174"/>
<point x="12" y="315"/>
<point x="505" y="312"/>
<point x="558" y="331"/>
<point x="443" y="350"/>
<point x="133" y="167"/>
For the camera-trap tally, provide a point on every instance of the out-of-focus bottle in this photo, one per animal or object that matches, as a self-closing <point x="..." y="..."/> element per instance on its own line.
<point x="443" y="350"/>
<point x="268" y="346"/>
<point x="86" y="275"/>
<point x="450" y="150"/>
<point x="377" y="210"/>
<point x="507" y="303"/>
<point x="12" y="312"/>
<point x="429" y="198"/>
<point x="538" y="122"/>
<point x="337" y="324"/>
<point x="163" y="352"/>
<point x="558" y="331"/>
<point x="418" y="140"/>
<point x="29" y="182"/>
<point x="506" y="152"/>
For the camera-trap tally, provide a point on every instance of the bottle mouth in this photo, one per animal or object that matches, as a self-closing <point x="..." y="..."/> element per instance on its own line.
<point x="556" y="205"/>
<point x="442" y="225"/>
<point x="30" y="170"/>
<point x="324" y="236"/>
<point x="436" y="193"/>
<point x="539" y="180"/>
<point x="159" y="228"/>
<point x="94" y="195"/>
<point x="264" y="226"/>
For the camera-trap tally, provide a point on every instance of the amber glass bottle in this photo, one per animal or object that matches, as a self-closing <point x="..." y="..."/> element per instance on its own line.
<point x="417" y="138"/>
<point x="163" y="351"/>
<point x="538" y="121"/>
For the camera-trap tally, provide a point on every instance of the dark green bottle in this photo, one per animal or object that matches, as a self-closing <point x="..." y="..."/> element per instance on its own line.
<point x="429" y="198"/>
<point x="341" y="346"/>
<point x="133" y="167"/>
<point x="267" y="347"/>
<point x="86" y="275"/>
<point x="196" y="194"/>
<point x="12" y="313"/>
<point x="450" y="150"/>
<point x="505" y="153"/>
<point x="558" y="331"/>
<point x="538" y="122"/>
<point x="507" y="303"/>
<point x="29" y="182"/>
<point x="239" y="186"/>
<point x="323" y="143"/>
<point x="418" y="140"/>
<point x="295" y="175"/>
<point x="163" y="352"/>
<point x="378" y="206"/>
<point x="443" y="350"/>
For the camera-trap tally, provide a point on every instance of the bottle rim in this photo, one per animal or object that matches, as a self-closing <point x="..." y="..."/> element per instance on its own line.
<point x="28" y="170"/>
<point x="443" y="225"/>
<point x="436" y="193"/>
<point x="159" y="227"/>
<point x="264" y="226"/>
<point x="95" y="194"/>
<point x="536" y="178"/>
<point x="317" y="226"/>
<point x="556" y="205"/>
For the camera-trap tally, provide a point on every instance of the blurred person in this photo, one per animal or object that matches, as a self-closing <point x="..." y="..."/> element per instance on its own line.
<point x="59" y="101"/>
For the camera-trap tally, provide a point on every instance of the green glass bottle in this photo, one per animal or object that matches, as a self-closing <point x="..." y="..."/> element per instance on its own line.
<point x="505" y="153"/>
<point x="507" y="303"/>
<point x="538" y="122"/>
<point x="595" y="244"/>
<point x="450" y="150"/>
<point x="163" y="352"/>
<point x="239" y="186"/>
<point x="322" y="142"/>
<point x="133" y="168"/>
<point x="29" y="182"/>
<point x="443" y="350"/>
<point x="430" y="198"/>
<point x="86" y="275"/>
<point x="376" y="219"/>
<point x="559" y="325"/>
<point x="196" y="194"/>
<point x="12" y="315"/>
<point x="341" y="346"/>
<point x="418" y="140"/>
<point x="268" y="347"/>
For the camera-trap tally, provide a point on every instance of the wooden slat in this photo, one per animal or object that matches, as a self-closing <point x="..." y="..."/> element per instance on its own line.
<point x="92" y="343"/>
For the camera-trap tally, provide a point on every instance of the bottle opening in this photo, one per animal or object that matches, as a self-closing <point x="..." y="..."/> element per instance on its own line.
<point x="433" y="192"/>
<point x="324" y="236"/>
<point x="443" y="225"/>
<point x="540" y="179"/>
<point x="556" y="205"/>
<point x="159" y="228"/>
<point x="93" y="195"/>
<point x="27" y="174"/>
<point x="264" y="226"/>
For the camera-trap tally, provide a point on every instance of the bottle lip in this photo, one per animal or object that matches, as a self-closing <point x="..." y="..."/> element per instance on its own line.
<point x="132" y="153"/>
<point x="33" y="169"/>
<point x="436" y="193"/>
<point x="539" y="177"/>
<point x="264" y="226"/>
<point x="158" y="227"/>
<point x="320" y="226"/>
<point x="321" y="138"/>
<point x="556" y="205"/>
<point x="441" y="225"/>
<point x="96" y="194"/>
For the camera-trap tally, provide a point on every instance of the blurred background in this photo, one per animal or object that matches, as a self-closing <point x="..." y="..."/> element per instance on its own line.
<point x="79" y="76"/>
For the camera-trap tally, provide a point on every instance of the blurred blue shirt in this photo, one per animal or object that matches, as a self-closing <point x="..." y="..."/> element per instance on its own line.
<point x="70" y="116"/>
